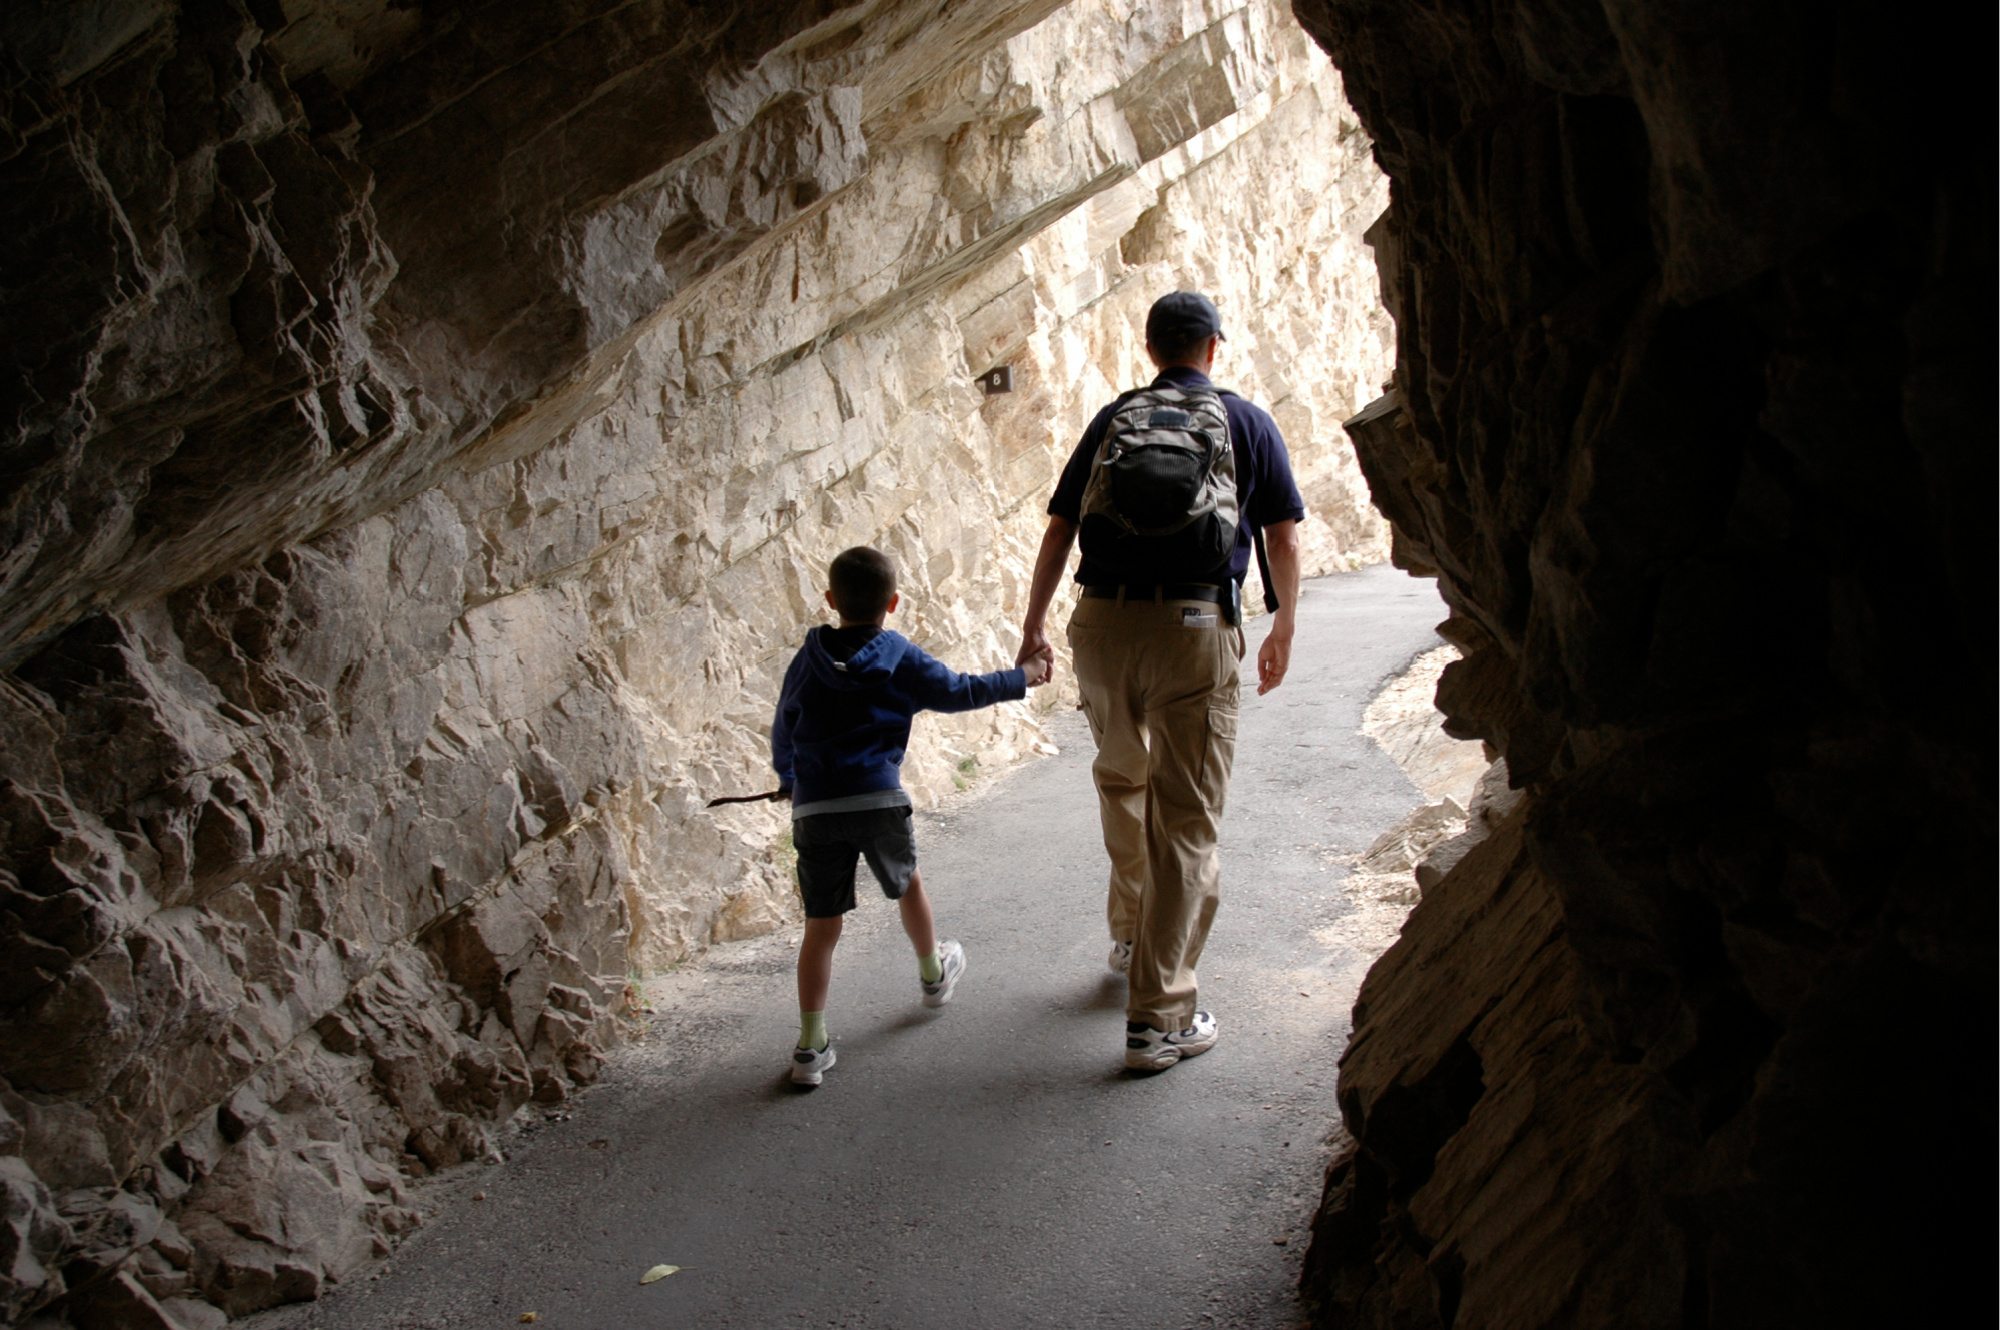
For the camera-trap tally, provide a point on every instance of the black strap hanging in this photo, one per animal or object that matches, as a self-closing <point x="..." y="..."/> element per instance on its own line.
<point x="1264" y="569"/>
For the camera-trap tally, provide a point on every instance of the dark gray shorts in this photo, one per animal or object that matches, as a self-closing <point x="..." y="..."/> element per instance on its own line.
<point x="829" y="843"/>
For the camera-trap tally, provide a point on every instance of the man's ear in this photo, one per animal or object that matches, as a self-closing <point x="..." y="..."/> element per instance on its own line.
<point x="895" y="599"/>
<point x="829" y="601"/>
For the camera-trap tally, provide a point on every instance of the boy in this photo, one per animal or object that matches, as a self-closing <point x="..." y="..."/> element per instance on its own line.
<point x="837" y="743"/>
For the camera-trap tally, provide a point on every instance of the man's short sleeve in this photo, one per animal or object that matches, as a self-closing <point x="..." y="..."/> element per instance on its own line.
<point x="1274" y="494"/>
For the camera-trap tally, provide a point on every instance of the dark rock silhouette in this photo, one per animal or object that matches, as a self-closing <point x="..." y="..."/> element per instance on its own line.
<point x="1693" y="423"/>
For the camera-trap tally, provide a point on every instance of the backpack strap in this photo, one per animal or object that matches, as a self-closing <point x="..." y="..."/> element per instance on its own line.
<point x="1264" y="568"/>
<point x="1110" y="413"/>
<point x="1257" y="543"/>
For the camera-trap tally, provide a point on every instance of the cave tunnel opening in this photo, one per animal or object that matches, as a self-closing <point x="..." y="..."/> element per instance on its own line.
<point x="426" y="424"/>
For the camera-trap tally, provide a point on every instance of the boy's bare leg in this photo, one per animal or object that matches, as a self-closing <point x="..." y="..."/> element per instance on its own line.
<point x="918" y="925"/>
<point x="939" y="964"/>
<point x="816" y="964"/>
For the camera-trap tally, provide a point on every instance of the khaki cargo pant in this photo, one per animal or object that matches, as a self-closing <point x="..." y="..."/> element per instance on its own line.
<point x="1158" y="683"/>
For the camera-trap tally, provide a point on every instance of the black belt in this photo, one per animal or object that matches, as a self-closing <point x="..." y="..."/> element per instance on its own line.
<point x="1168" y="591"/>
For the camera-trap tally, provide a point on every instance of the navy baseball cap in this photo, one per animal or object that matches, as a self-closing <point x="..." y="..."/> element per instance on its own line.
<point x="1180" y="317"/>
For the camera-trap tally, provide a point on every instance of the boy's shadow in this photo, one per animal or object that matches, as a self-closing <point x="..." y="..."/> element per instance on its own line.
<point x="784" y="1088"/>
<point x="1107" y="994"/>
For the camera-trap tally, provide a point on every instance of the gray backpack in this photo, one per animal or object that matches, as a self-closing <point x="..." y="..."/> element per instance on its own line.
<point x="1160" y="503"/>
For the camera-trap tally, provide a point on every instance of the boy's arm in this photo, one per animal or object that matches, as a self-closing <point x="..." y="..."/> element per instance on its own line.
<point x="784" y="721"/>
<point x="934" y="686"/>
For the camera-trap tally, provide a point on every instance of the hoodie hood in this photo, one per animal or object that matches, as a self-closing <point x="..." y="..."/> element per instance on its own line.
<point x="869" y="665"/>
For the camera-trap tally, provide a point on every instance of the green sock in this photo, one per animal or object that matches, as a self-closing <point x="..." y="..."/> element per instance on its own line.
<point x="929" y="968"/>
<point x="812" y="1030"/>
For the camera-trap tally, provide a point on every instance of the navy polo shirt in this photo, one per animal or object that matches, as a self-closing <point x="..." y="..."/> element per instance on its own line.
<point x="1265" y="490"/>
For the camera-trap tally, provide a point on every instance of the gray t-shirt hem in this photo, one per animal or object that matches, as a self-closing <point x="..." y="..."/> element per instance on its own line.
<point x="894" y="797"/>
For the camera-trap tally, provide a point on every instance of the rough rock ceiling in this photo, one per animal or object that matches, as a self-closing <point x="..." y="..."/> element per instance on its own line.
<point x="263" y="286"/>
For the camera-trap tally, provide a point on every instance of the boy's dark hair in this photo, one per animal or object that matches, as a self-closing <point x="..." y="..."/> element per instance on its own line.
<point x="862" y="581"/>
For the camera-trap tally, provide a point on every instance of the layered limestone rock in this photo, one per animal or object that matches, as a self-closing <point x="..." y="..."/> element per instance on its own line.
<point x="853" y="415"/>
<point x="1466" y="793"/>
<point x="425" y="433"/>
<point x="1693" y="424"/>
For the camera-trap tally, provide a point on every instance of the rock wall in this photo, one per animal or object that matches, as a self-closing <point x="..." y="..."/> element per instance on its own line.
<point x="425" y="428"/>
<point x="1693" y="423"/>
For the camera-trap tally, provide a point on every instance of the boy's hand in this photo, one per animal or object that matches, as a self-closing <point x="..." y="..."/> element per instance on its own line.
<point x="1039" y="667"/>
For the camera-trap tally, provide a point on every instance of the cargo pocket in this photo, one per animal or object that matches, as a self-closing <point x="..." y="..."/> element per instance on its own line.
<point x="1083" y="667"/>
<point x="1220" y="751"/>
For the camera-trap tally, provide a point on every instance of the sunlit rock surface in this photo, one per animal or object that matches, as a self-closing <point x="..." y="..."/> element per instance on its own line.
<point x="1694" y="426"/>
<point x="424" y="433"/>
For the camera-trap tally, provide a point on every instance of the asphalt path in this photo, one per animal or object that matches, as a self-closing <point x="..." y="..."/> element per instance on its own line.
<point x="990" y="1163"/>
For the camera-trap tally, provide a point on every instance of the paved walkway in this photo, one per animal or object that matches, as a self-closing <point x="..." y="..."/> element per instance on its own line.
<point x="988" y="1164"/>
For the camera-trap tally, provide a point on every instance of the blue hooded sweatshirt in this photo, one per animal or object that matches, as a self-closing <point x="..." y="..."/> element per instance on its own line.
<point x="843" y="719"/>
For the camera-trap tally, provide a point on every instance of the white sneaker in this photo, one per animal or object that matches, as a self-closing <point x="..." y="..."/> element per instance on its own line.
<point x="1146" y="1049"/>
<point x="808" y="1066"/>
<point x="1120" y="959"/>
<point x="952" y="956"/>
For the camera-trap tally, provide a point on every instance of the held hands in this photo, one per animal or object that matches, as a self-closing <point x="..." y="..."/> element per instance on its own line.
<point x="1036" y="658"/>
<point x="1039" y="667"/>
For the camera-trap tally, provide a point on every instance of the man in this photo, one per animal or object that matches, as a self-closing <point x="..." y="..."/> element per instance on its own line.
<point x="1156" y="665"/>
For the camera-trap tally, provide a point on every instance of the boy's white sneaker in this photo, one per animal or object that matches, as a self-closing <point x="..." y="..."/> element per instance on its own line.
<point x="952" y="957"/>
<point x="808" y="1066"/>
<point x="1146" y="1049"/>
<point x="1120" y="959"/>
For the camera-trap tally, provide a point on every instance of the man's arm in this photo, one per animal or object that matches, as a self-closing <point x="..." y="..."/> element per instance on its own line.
<point x="1281" y="543"/>
<point x="1050" y="565"/>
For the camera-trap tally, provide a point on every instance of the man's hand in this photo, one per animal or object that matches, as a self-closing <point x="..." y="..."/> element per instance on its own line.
<point x="1037" y="657"/>
<point x="1281" y="541"/>
<point x="1050" y="561"/>
<point x="1275" y="656"/>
